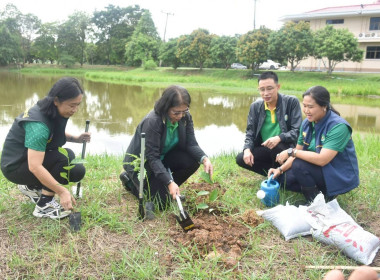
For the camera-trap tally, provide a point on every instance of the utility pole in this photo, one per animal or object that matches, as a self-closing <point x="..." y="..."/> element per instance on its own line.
<point x="254" y="15"/>
<point x="166" y="23"/>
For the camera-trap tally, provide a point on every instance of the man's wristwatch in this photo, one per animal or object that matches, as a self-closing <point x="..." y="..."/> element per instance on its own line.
<point x="290" y="152"/>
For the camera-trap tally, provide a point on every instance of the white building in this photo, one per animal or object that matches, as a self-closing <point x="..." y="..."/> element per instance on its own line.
<point x="362" y="20"/>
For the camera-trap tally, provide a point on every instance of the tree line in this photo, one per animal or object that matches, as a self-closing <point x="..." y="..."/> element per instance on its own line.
<point x="128" y="36"/>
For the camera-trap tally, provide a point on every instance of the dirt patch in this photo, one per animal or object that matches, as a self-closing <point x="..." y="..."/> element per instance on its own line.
<point x="216" y="236"/>
<point x="251" y="218"/>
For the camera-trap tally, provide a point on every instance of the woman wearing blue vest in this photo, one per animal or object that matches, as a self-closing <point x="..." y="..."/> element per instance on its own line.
<point x="170" y="144"/>
<point x="324" y="159"/>
<point x="30" y="155"/>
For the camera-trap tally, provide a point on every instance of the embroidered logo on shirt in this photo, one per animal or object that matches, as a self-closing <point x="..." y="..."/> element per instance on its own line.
<point x="323" y="138"/>
<point x="26" y="114"/>
<point x="50" y="138"/>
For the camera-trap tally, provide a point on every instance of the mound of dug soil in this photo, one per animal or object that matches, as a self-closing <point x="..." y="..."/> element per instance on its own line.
<point x="216" y="236"/>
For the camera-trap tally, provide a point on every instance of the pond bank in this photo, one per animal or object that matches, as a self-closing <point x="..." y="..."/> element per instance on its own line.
<point x="220" y="80"/>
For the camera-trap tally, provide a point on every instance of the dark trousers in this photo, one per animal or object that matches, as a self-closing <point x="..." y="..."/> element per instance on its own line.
<point x="303" y="174"/>
<point x="54" y="162"/>
<point x="264" y="158"/>
<point x="182" y="166"/>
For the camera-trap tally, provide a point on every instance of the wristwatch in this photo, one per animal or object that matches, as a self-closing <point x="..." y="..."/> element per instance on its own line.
<point x="290" y="152"/>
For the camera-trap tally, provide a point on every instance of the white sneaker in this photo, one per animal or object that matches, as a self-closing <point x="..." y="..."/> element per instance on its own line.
<point x="33" y="194"/>
<point x="52" y="210"/>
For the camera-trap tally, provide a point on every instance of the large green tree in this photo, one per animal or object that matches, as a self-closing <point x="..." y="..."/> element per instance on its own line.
<point x="252" y="47"/>
<point x="168" y="53"/>
<point x="90" y="53"/>
<point x="10" y="40"/>
<point x="114" y="26"/>
<point x="44" y="46"/>
<point x="145" y="42"/>
<point x="194" y="48"/>
<point x="72" y="36"/>
<point x="292" y="43"/>
<point x="28" y="25"/>
<point x="336" y="45"/>
<point x="223" y="50"/>
<point x="10" y="50"/>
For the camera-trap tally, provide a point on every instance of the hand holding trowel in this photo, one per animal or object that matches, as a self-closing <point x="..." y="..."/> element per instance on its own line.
<point x="183" y="219"/>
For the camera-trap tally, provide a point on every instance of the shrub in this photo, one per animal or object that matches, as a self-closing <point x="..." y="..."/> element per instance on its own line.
<point x="150" y="65"/>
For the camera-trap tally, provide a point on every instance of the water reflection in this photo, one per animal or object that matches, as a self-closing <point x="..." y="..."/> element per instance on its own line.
<point x="115" y="111"/>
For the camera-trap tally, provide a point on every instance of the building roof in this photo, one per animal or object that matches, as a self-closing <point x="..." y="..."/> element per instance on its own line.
<point x="333" y="12"/>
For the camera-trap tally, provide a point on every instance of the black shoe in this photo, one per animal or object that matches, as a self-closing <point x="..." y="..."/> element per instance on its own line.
<point x="310" y="192"/>
<point x="126" y="182"/>
<point x="149" y="211"/>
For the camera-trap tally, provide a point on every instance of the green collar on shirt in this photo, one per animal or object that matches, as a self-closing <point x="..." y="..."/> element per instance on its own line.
<point x="170" y="125"/>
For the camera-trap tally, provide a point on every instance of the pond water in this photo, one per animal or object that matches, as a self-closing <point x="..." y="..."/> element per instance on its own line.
<point x="115" y="110"/>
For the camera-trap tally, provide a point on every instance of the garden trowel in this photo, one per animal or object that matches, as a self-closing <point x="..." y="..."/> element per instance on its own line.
<point x="75" y="221"/>
<point x="183" y="219"/>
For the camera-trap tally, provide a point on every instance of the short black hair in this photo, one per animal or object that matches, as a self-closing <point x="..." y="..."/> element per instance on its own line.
<point x="171" y="97"/>
<point x="268" y="75"/>
<point x="64" y="89"/>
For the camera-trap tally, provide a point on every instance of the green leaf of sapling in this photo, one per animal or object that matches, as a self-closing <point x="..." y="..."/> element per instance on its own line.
<point x="214" y="195"/>
<point x="69" y="167"/>
<point x="202" y="206"/>
<point x="206" y="177"/>
<point x="63" y="151"/>
<point x="203" y="193"/>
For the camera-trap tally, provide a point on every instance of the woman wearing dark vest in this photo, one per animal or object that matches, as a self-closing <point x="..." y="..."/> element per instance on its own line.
<point x="324" y="159"/>
<point x="30" y="155"/>
<point x="170" y="143"/>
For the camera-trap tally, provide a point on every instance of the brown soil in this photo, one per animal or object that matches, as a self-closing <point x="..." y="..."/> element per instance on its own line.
<point x="216" y="236"/>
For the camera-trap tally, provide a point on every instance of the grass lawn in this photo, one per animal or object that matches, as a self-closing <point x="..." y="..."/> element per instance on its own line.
<point x="340" y="85"/>
<point x="114" y="244"/>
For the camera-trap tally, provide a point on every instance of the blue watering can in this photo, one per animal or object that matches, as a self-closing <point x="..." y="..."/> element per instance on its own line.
<point x="271" y="188"/>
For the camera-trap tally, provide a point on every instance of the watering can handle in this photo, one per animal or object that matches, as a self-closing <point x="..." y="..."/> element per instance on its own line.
<point x="270" y="179"/>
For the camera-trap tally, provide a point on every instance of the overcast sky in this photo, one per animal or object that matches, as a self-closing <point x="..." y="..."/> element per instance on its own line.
<point x="221" y="17"/>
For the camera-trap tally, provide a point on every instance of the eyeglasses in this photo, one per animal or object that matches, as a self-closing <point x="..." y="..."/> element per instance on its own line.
<point x="268" y="89"/>
<point x="177" y="113"/>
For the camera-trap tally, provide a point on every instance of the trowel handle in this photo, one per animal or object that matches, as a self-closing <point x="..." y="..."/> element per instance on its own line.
<point x="180" y="205"/>
<point x="142" y="169"/>
<point x="84" y="142"/>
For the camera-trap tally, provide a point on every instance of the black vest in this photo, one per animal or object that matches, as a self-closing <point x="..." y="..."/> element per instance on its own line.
<point x="14" y="151"/>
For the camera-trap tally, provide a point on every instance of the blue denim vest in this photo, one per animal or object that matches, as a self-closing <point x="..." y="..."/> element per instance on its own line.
<point x="341" y="173"/>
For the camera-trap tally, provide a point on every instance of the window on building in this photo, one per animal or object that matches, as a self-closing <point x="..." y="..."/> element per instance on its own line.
<point x="374" y="23"/>
<point x="373" y="52"/>
<point x="298" y="21"/>
<point x="334" y="21"/>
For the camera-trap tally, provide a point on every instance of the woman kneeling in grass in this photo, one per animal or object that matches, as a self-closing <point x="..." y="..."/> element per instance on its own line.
<point x="324" y="159"/>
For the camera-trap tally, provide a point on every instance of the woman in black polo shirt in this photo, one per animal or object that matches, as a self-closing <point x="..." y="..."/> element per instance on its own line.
<point x="30" y="155"/>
